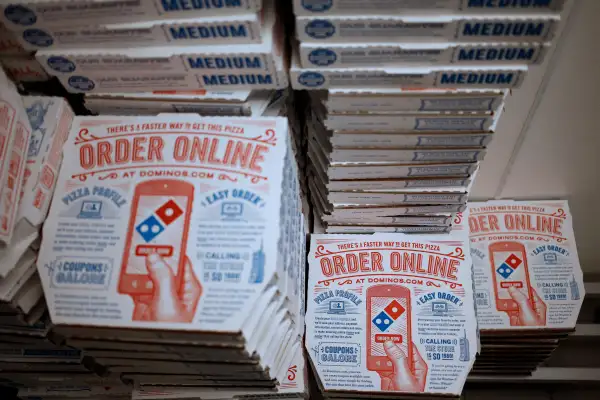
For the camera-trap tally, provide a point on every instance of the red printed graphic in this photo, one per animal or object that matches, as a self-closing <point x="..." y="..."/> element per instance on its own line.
<point x="390" y="350"/>
<point x="512" y="287"/>
<point x="47" y="177"/>
<point x="156" y="272"/>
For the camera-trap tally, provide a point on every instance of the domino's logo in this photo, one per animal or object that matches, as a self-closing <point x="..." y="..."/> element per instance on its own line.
<point x="509" y="266"/>
<point x="81" y="83"/>
<point x="311" y="79"/>
<point x="38" y="37"/>
<point x="322" y="57"/>
<point x="61" y="64"/>
<point x="156" y="224"/>
<point x="317" y="5"/>
<point x="320" y="29"/>
<point x="386" y="318"/>
<point x="20" y="15"/>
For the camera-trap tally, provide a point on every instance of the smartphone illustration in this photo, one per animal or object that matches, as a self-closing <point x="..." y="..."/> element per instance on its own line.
<point x="388" y="319"/>
<point x="509" y="268"/>
<point x="158" y="223"/>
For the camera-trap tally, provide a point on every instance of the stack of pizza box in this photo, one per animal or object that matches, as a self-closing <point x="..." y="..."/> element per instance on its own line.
<point x="188" y="270"/>
<point x="528" y="282"/>
<point x="390" y="315"/>
<point x="153" y="45"/>
<point x="406" y="97"/>
<point x="31" y="138"/>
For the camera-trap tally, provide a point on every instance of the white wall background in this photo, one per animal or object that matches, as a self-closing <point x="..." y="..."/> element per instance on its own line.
<point x="547" y="145"/>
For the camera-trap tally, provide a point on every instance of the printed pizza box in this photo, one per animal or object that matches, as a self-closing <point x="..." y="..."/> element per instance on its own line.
<point x="527" y="273"/>
<point x="399" y="155"/>
<point x="418" y="7"/>
<point x="233" y="29"/>
<point x="421" y="139"/>
<point x="378" y="284"/>
<point x="429" y="220"/>
<point x="390" y="184"/>
<point x="15" y="134"/>
<point x="320" y="150"/>
<point x="123" y="61"/>
<point x="409" y="122"/>
<point x="425" y="100"/>
<point x="357" y="229"/>
<point x="154" y="104"/>
<point x="50" y="119"/>
<point x="24" y="68"/>
<point x="404" y="100"/>
<point x="36" y="13"/>
<point x="417" y="77"/>
<point x="162" y="184"/>
<point x="406" y="196"/>
<point x="427" y="27"/>
<point x="383" y="55"/>
<point x="399" y="170"/>
<point x="147" y="82"/>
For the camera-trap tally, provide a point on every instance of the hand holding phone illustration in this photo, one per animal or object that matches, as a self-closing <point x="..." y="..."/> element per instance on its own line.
<point x="406" y="377"/>
<point x="156" y="271"/>
<point x="530" y="313"/>
<point x="390" y="350"/>
<point x="512" y="287"/>
<point x="168" y="303"/>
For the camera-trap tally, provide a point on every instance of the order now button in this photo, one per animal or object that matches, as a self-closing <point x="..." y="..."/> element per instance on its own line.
<point x="506" y="285"/>
<point x="386" y="338"/>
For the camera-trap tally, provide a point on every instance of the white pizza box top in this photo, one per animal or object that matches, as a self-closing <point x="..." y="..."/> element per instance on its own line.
<point x="221" y="30"/>
<point x="441" y="28"/>
<point x="257" y="57"/>
<point x="240" y="96"/>
<point x="423" y="100"/>
<point x="126" y="181"/>
<point x="386" y="54"/>
<point x="420" y="7"/>
<point x="409" y="301"/>
<point x="255" y="105"/>
<point x="41" y="13"/>
<point x="50" y="119"/>
<point x="525" y="263"/>
<point x="433" y="77"/>
<point x="15" y="133"/>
